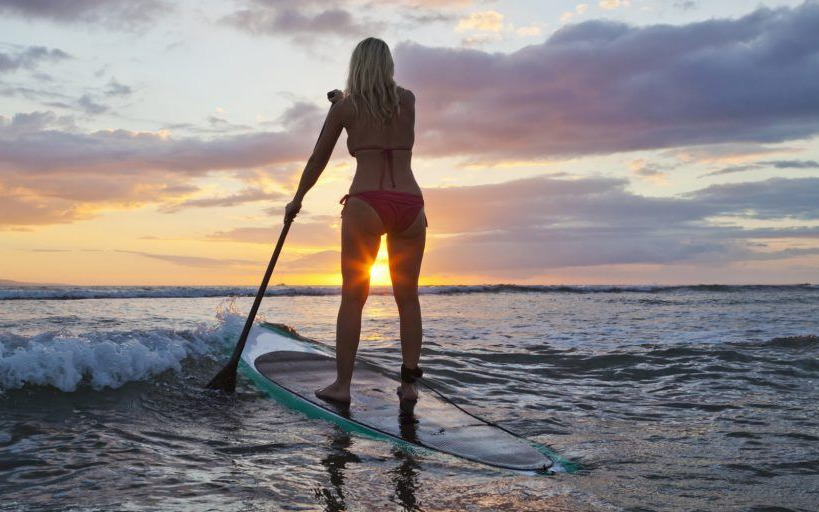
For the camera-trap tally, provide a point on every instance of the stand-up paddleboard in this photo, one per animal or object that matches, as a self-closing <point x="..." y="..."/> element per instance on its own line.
<point x="291" y="368"/>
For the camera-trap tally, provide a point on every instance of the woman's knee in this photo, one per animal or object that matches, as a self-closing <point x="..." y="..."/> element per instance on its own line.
<point x="355" y="293"/>
<point x="406" y="297"/>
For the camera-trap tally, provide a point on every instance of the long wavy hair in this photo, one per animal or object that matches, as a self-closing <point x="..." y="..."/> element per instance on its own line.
<point x="370" y="82"/>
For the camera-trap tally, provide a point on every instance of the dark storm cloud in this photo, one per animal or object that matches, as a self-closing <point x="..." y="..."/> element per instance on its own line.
<point x="110" y="13"/>
<point x="603" y="87"/>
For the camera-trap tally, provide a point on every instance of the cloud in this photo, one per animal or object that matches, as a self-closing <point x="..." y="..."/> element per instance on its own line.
<point x="528" y="31"/>
<point x="613" y="4"/>
<point x="650" y="171"/>
<point x="194" y="261"/>
<point x="248" y="195"/>
<point x="602" y="87"/>
<point x="315" y="262"/>
<point x="793" y="164"/>
<point x="308" y="22"/>
<point x="21" y="210"/>
<point x="578" y="10"/>
<point x="45" y="150"/>
<point x="264" y="17"/>
<point x="777" y="164"/>
<point x="685" y="5"/>
<point x="115" y="88"/>
<point x="23" y="123"/>
<point x="108" y="13"/>
<point x="523" y="228"/>
<point x="303" y="233"/>
<point x="56" y="171"/>
<point x="29" y="57"/>
<point x="775" y="198"/>
<point x="89" y="106"/>
<point x="485" y="21"/>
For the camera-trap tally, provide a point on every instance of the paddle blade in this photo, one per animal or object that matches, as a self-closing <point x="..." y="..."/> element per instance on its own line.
<point x="225" y="380"/>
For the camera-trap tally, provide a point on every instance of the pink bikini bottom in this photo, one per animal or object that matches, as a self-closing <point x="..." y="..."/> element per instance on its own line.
<point x="397" y="210"/>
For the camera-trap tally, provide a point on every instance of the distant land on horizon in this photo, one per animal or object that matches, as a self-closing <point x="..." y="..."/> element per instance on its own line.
<point x="10" y="282"/>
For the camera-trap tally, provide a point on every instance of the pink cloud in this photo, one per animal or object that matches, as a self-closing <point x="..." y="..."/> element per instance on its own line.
<point x="603" y="87"/>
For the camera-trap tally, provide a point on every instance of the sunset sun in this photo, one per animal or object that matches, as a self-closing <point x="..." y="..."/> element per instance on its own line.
<point x="380" y="271"/>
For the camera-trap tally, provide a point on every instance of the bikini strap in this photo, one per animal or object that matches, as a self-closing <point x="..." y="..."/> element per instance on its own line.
<point x="387" y="151"/>
<point x="344" y="199"/>
<point x="387" y="166"/>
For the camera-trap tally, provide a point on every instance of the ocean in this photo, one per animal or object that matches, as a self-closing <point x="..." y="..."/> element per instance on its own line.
<point x="668" y="398"/>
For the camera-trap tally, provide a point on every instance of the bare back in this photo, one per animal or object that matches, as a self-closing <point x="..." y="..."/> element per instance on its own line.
<point x="363" y="132"/>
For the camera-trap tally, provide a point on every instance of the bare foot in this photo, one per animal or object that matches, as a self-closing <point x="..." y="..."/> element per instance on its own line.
<point x="407" y="392"/>
<point x="335" y="393"/>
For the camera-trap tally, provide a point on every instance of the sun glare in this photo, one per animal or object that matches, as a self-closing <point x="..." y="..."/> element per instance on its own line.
<point x="380" y="274"/>
<point x="380" y="271"/>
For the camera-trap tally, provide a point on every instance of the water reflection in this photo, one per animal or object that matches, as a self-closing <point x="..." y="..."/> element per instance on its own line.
<point x="336" y="462"/>
<point x="404" y="476"/>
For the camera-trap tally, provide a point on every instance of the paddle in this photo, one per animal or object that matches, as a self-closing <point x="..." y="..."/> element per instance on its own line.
<point x="225" y="380"/>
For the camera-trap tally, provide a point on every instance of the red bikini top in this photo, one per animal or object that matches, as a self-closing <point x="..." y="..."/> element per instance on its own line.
<point x="387" y="160"/>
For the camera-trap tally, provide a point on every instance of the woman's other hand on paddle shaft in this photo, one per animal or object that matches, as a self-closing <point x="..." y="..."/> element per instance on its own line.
<point x="335" y="96"/>
<point x="292" y="209"/>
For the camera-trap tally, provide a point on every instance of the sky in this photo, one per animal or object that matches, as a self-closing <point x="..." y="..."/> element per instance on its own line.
<point x="557" y="142"/>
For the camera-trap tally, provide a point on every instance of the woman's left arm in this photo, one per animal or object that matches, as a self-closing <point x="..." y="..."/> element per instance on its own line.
<point x="322" y="152"/>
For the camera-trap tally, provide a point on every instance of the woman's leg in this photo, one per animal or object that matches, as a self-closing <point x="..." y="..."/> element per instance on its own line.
<point x="406" y="251"/>
<point x="361" y="231"/>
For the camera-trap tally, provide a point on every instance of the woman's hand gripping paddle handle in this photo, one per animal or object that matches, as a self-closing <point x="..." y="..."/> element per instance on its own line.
<point x="225" y="380"/>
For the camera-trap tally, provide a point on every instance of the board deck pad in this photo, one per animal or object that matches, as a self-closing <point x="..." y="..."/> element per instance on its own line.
<point x="433" y="423"/>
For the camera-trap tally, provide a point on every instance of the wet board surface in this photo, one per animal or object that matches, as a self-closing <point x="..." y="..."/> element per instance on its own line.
<point x="299" y="367"/>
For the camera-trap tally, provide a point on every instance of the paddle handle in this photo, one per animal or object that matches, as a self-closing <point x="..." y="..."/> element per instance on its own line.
<point x="240" y="346"/>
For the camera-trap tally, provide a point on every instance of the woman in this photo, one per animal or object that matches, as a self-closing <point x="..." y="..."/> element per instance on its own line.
<point x="379" y="117"/>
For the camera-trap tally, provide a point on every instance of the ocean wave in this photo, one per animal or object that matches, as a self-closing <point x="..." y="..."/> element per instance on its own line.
<point x="803" y="341"/>
<point x="184" y="292"/>
<point x="102" y="360"/>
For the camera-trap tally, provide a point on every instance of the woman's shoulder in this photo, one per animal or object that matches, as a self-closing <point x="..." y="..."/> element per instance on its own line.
<point x="407" y="94"/>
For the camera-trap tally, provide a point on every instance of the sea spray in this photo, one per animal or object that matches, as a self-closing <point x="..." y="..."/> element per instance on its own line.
<point x="109" y="359"/>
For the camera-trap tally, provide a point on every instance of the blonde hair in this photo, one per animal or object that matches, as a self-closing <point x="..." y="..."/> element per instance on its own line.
<point x="370" y="81"/>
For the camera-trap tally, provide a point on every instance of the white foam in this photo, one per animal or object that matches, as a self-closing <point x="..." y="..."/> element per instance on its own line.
<point x="108" y="359"/>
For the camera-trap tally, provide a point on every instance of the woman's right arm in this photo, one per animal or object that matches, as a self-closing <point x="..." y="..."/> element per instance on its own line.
<point x="322" y="152"/>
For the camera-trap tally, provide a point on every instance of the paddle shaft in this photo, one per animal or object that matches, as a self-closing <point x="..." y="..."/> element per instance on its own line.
<point x="252" y="315"/>
<point x="226" y="378"/>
